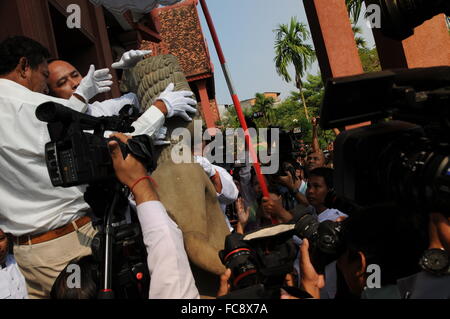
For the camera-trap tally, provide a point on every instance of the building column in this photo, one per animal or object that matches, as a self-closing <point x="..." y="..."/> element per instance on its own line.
<point x="206" y="108"/>
<point x="333" y="38"/>
<point x="428" y="47"/>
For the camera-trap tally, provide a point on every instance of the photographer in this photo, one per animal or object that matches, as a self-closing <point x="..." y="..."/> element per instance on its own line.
<point x="171" y="276"/>
<point x="50" y="226"/>
<point x="395" y="254"/>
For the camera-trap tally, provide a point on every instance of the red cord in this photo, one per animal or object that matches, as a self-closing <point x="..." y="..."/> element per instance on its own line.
<point x="141" y="179"/>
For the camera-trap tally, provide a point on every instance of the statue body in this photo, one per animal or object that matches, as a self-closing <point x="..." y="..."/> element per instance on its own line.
<point x="184" y="189"/>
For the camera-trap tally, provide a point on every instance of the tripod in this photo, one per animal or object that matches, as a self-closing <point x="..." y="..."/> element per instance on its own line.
<point x="118" y="247"/>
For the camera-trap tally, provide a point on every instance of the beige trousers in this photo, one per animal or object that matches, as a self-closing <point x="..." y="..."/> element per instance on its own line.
<point x="42" y="263"/>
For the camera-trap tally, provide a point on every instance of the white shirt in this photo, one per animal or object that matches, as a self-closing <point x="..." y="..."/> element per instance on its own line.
<point x="330" y="214"/>
<point x="229" y="192"/>
<point x="113" y="106"/>
<point x="148" y="123"/>
<point x="29" y="204"/>
<point x="12" y="282"/>
<point x="170" y="274"/>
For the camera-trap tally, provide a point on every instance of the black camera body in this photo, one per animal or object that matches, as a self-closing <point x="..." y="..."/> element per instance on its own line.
<point x="258" y="263"/>
<point x="260" y="260"/>
<point x="404" y="160"/>
<point x="77" y="157"/>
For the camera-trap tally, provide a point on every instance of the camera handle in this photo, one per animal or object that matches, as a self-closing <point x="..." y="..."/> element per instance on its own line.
<point x="106" y="291"/>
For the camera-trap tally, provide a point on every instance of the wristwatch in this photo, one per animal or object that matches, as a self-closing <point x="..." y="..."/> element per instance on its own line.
<point x="436" y="262"/>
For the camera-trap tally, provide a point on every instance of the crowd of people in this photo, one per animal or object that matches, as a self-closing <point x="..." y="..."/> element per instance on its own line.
<point x="44" y="229"/>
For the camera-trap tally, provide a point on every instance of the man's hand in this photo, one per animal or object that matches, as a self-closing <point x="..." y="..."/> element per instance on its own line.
<point x="130" y="59"/>
<point x="160" y="137"/>
<point x="93" y="83"/>
<point x="311" y="281"/>
<point x="128" y="170"/>
<point x="178" y="103"/>
<point x="291" y="182"/>
<point x="206" y="165"/>
<point x="224" y="288"/>
<point x="274" y="207"/>
<point x="243" y="215"/>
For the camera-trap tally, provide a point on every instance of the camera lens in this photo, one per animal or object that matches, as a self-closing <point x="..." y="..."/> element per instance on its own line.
<point x="238" y="257"/>
<point x="244" y="272"/>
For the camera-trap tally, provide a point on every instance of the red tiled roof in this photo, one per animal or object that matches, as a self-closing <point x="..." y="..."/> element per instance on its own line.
<point x="180" y="29"/>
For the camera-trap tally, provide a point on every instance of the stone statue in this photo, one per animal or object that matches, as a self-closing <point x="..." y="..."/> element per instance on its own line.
<point x="184" y="189"/>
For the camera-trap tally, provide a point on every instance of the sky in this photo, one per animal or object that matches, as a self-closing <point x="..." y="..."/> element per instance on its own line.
<point x="245" y="31"/>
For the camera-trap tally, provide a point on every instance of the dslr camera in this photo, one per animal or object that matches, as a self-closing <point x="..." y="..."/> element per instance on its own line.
<point x="260" y="260"/>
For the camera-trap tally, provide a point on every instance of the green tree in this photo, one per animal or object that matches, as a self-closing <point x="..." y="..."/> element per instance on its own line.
<point x="265" y="105"/>
<point x="289" y="114"/>
<point x="354" y="8"/>
<point x="370" y="60"/>
<point x="291" y="48"/>
<point x="361" y="43"/>
<point x="230" y="120"/>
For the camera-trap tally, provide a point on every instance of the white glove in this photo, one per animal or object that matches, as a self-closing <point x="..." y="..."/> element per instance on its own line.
<point x="206" y="165"/>
<point x="130" y="59"/>
<point x="160" y="137"/>
<point x="93" y="83"/>
<point x="178" y="103"/>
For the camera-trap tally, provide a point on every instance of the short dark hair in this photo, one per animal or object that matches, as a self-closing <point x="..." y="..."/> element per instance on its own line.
<point x="88" y="281"/>
<point x="14" y="48"/>
<point x="326" y="173"/>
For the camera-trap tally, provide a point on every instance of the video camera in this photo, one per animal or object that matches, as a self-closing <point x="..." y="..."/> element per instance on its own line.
<point x="260" y="260"/>
<point x="77" y="157"/>
<point x="404" y="160"/>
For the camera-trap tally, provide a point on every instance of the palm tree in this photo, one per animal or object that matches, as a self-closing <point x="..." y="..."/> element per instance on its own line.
<point x="360" y="41"/>
<point x="265" y="105"/>
<point x="354" y="8"/>
<point x="290" y="48"/>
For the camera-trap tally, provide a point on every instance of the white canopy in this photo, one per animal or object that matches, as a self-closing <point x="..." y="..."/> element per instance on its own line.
<point x="137" y="6"/>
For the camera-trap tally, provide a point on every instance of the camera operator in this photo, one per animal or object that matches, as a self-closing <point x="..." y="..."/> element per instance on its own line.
<point x="171" y="276"/>
<point x="50" y="225"/>
<point x="390" y="237"/>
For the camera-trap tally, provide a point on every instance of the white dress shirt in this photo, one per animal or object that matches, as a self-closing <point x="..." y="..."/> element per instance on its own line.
<point x="12" y="282"/>
<point x="148" y="123"/>
<point x="229" y="193"/>
<point x="29" y="204"/>
<point x="170" y="274"/>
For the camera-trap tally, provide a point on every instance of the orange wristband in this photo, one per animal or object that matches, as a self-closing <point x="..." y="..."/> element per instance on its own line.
<point x="140" y="180"/>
